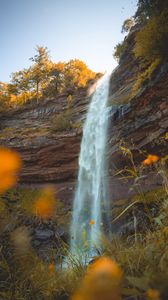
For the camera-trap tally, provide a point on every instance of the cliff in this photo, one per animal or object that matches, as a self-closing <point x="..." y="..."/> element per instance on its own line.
<point x="48" y="155"/>
<point x="140" y="120"/>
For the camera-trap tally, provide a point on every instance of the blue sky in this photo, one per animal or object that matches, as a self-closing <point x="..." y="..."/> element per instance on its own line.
<point x="83" y="29"/>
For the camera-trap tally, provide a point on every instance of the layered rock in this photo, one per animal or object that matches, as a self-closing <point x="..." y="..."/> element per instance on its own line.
<point x="48" y="155"/>
<point x="139" y="120"/>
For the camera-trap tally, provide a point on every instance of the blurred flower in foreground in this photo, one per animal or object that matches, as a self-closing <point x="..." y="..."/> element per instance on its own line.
<point x="44" y="206"/>
<point x="92" y="222"/>
<point x="102" y="281"/>
<point x="104" y="265"/>
<point x="10" y="164"/>
<point x="151" y="159"/>
<point x="21" y="239"/>
<point x="153" y="294"/>
<point x="51" y="268"/>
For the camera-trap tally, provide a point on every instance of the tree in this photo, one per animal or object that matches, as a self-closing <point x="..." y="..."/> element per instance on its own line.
<point x="40" y="70"/>
<point x="119" y="49"/>
<point x="29" y="80"/>
<point x="68" y="77"/>
<point x="151" y="41"/>
<point x="20" y="82"/>
<point x="45" y="78"/>
<point x="77" y="74"/>
<point x="57" y="77"/>
<point x="149" y="8"/>
<point x="127" y="25"/>
<point x="4" y="97"/>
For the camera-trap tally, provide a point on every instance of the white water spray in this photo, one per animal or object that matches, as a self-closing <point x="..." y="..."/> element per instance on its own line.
<point x="91" y="200"/>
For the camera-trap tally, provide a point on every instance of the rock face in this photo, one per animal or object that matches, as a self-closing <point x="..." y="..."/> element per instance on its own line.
<point x="49" y="156"/>
<point x="139" y="120"/>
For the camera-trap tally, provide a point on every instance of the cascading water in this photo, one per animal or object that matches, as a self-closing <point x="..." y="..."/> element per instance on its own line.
<point x="91" y="195"/>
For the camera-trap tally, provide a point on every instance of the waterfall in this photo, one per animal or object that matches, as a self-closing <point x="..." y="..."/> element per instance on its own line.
<point x="91" y="205"/>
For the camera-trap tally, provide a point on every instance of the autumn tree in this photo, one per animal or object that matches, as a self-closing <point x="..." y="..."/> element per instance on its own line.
<point x="29" y="80"/>
<point x="68" y="77"/>
<point x="40" y="70"/>
<point x="77" y="74"/>
<point x="20" y="81"/>
<point x="45" y="78"/>
<point x="3" y="96"/>
<point x="56" y="83"/>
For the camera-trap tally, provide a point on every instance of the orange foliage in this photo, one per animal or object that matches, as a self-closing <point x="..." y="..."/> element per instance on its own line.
<point x="153" y="294"/>
<point x="23" y="97"/>
<point x="44" y="206"/>
<point x="151" y="159"/>
<point x="10" y="164"/>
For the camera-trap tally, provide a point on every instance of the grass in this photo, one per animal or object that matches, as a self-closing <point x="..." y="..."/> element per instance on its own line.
<point x="142" y="256"/>
<point x="29" y="133"/>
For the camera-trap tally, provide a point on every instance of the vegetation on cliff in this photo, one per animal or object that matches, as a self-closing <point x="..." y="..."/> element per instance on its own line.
<point x="44" y="79"/>
<point x="151" y="25"/>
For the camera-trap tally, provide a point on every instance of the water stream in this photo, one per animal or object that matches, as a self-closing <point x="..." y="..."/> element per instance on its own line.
<point x="91" y="205"/>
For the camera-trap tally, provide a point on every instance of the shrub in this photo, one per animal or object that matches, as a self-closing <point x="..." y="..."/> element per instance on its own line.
<point x="151" y="41"/>
<point x="70" y="100"/>
<point x="3" y="103"/>
<point x="119" y="50"/>
<point x="127" y="25"/>
<point x="145" y="76"/>
<point x="61" y="122"/>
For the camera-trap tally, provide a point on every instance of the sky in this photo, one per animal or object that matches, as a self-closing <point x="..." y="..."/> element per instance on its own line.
<point x="82" y="29"/>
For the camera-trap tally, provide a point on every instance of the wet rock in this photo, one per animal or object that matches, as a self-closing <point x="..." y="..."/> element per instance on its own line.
<point x="36" y="243"/>
<point x="60" y="231"/>
<point x="44" y="234"/>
